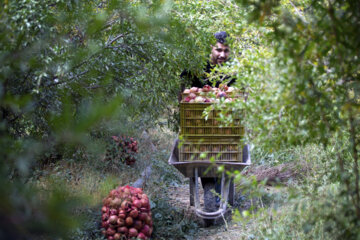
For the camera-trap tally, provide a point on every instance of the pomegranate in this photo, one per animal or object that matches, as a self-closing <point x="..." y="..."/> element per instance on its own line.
<point x="116" y="203"/>
<point x="120" y="222"/>
<point x="129" y="221"/>
<point x="193" y="89"/>
<point x="104" y="209"/>
<point x="148" y="220"/>
<point x="107" y="202"/>
<point x="134" y="213"/>
<point x="114" y="193"/>
<point x="105" y="217"/>
<point x="122" y="215"/>
<point x="143" y="216"/>
<point x="137" y="203"/>
<point x="113" y="219"/>
<point x="117" y="236"/>
<point x="110" y="231"/>
<point x="146" y="230"/>
<point x="192" y="96"/>
<point x="127" y="190"/>
<point x="143" y="209"/>
<point x="199" y="99"/>
<point x="123" y="230"/>
<point x="206" y="88"/>
<point x="105" y="224"/>
<point x="113" y="211"/>
<point x="145" y="202"/>
<point x="125" y="205"/>
<point x="230" y="90"/>
<point x="141" y="236"/>
<point x="133" y="232"/>
<point x="126" y="214"/>
<point x="138" y="224"/>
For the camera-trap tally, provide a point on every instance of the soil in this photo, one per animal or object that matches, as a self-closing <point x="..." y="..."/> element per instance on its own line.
<point x="282" y="174"/>
<point x="180" y="197"/>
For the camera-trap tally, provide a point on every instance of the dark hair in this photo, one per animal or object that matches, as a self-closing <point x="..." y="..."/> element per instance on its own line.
<point x="221" y="37"/>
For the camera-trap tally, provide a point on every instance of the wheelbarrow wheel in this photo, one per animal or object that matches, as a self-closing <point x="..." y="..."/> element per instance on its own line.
<point x="209" y="200"/>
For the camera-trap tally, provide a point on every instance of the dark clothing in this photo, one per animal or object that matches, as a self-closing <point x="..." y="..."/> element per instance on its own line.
<point x="202" y="80"/>
<point x="192" y="80"/>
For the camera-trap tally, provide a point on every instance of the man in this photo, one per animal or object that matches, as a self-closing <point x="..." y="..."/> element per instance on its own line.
<point x="220" y="53"/>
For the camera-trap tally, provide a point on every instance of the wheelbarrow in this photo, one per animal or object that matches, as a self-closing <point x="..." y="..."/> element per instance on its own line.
<point x="207" y="169"/>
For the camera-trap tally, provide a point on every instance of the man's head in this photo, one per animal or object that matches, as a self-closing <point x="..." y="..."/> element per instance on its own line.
<point x="220" y="51"/>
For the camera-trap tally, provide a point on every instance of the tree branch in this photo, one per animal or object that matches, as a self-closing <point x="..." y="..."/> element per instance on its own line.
<point x="114" y="39"/>
<point x="69" y="79"/>
<point x="299" y="13"/>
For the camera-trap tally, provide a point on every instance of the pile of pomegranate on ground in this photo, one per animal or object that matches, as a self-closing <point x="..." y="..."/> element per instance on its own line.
<point x="126" y="214"/>
<point x="122" y="149"/>
<point x="209" y="94"/>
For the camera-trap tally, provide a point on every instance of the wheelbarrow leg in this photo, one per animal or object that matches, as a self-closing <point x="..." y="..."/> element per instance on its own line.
<point x="192" y="185"/>
<point x="231" y="199"/>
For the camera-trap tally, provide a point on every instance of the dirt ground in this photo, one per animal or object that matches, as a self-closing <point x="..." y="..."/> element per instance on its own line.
<point x="180" y="197"/>
<point x="227" y="228"/>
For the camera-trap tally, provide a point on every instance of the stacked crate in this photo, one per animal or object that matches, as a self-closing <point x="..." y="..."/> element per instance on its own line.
<point x="207" y="139"/>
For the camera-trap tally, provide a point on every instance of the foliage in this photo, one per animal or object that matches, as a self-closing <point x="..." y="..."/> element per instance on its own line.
<point x="67" y="67"/>
<point x="300" y="63"/>
<point x="172" y="223"/>
<point x="313" y="209"/>
<point x="72" y="71"/>
<point x="315" y="98"/>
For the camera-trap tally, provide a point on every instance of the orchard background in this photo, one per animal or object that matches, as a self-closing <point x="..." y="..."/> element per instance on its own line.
<point x="74" y="73"/>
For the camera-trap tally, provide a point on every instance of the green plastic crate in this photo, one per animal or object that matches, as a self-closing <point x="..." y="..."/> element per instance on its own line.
<point x="193" y="124"/>
<point x="220" y="150"/>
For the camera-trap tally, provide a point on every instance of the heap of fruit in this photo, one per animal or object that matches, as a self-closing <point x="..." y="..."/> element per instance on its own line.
<point x="126" y="214"/>
<point x="208" y="94"/>
<point x="122" y="149"/>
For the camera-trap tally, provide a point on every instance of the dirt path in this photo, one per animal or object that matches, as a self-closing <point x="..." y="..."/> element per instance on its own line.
<point x="228" y="229"/>
<point x="180" y="198"/>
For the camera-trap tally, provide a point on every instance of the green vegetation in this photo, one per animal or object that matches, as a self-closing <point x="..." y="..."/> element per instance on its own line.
<point x="75" y="73"/>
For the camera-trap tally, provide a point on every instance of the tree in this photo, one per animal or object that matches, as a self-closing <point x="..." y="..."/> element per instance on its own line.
<point x="67" y="67"/>
<point x="300" y="62"/>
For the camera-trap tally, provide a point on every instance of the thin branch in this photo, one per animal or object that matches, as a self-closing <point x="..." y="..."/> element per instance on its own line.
<point x="115" y="39"/>
<point x="299" y="13"/>
<point x="97" y="86"/>
<point x="69" y="79"/>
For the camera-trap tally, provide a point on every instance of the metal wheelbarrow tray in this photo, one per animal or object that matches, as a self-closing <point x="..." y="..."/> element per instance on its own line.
<point x="207" y="169"/>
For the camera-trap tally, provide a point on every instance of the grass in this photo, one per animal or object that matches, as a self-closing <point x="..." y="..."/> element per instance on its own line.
<point x="291" y="211"/>
<point x="90" y="180"/>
